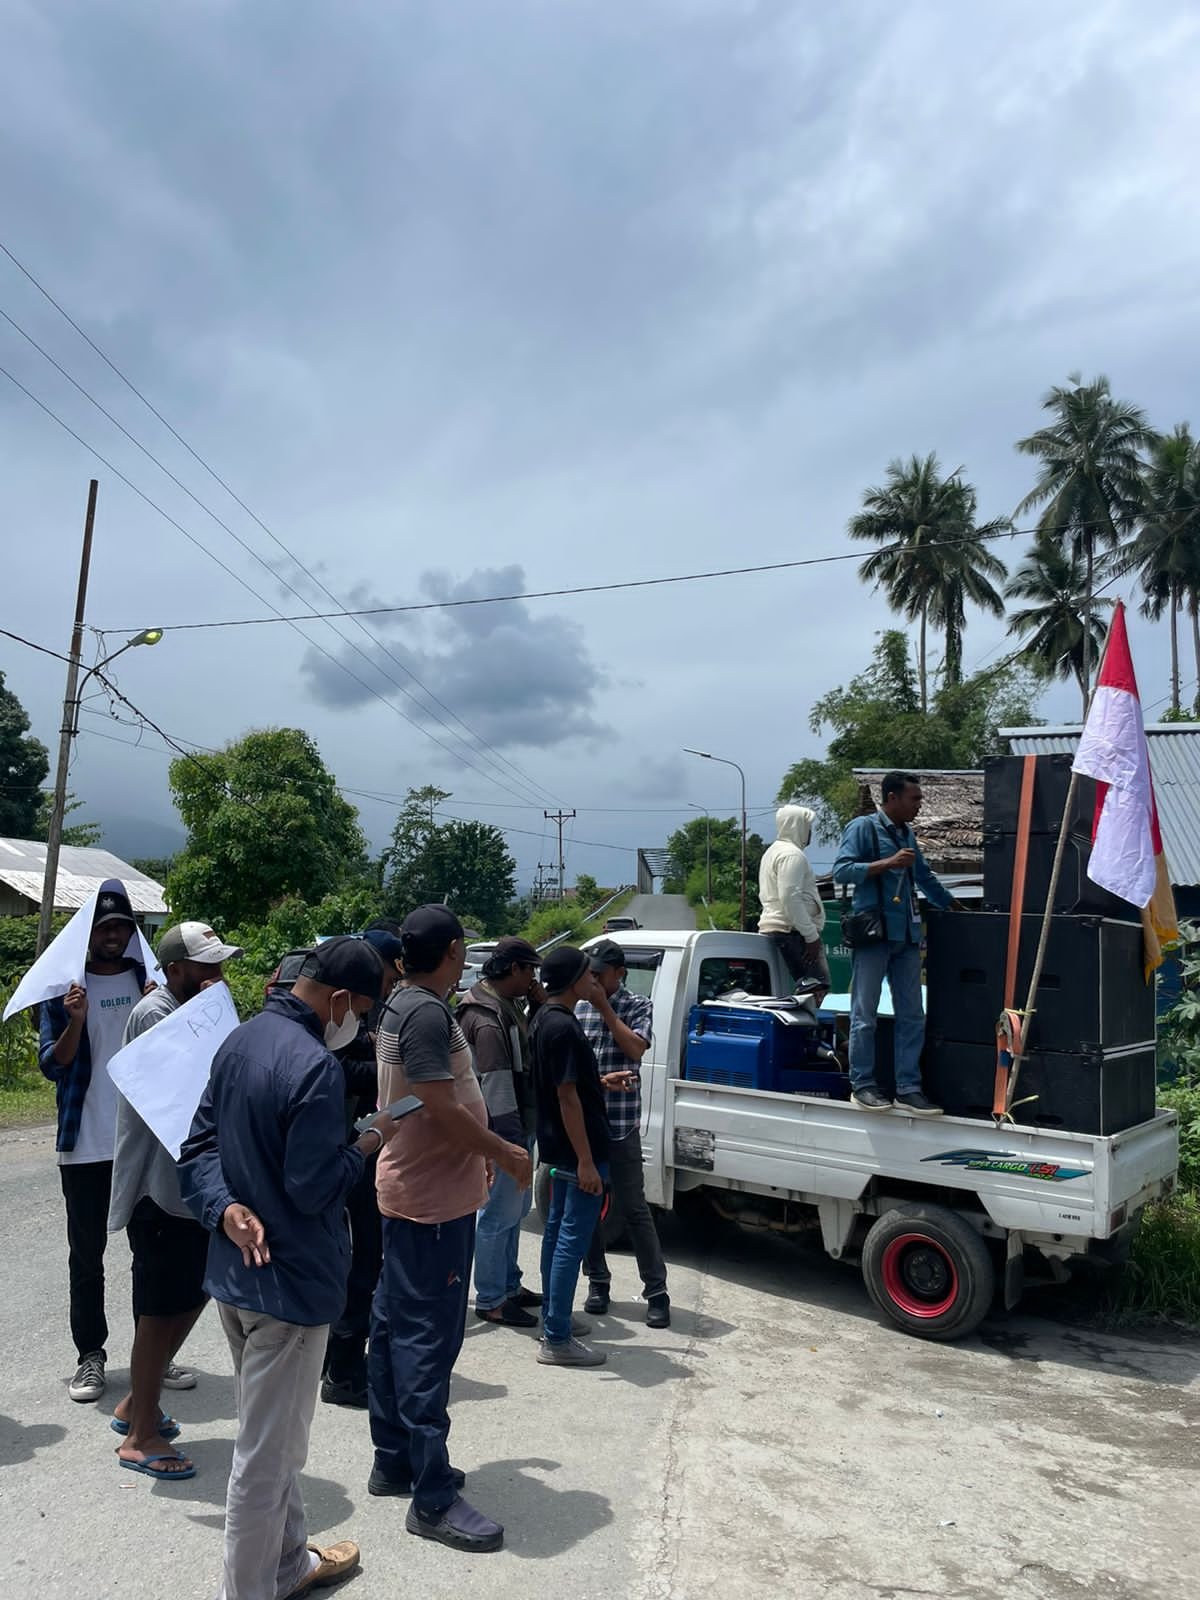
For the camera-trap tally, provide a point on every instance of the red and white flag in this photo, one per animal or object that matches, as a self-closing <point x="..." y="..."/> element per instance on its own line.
<point x="1127" y="854"/>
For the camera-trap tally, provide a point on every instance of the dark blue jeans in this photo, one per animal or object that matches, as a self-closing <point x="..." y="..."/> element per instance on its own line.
<point x="417" y="1328"/>
<point x="569" y="1228"/>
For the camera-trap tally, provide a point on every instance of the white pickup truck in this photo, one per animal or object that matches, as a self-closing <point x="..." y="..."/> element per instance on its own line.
<point x="937" y="1211"/>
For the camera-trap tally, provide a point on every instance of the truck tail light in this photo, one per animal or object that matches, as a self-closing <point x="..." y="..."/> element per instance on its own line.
<point x="1116" y="1219"/>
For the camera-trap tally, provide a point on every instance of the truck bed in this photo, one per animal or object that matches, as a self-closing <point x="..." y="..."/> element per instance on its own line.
<point x="1032" y="1179"/>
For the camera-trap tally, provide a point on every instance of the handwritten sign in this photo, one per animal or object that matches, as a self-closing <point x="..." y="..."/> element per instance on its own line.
<point x="62" y="962"/>
<point x="163" y="1072"/>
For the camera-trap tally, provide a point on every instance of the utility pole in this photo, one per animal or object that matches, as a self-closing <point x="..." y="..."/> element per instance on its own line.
<point x="58" y="810"/>
<point x="559" y="817"/>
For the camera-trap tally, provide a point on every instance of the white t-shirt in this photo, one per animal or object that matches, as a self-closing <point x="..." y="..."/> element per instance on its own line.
<point x="110" y="1003"/>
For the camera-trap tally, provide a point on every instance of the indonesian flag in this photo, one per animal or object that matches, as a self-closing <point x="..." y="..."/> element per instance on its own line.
<point x="1127" y="854"/>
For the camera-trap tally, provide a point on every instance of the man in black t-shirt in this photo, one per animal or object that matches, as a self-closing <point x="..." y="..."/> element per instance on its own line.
<point x="573" y="1139"/>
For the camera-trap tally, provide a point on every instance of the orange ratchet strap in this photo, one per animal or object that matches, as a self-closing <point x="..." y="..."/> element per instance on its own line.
<point x="1009" y="1029"/>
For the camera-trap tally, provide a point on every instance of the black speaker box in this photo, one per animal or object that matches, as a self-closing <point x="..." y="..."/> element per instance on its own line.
<point x="1002" y="795"/>
<point x="1094" y="1093"/>
<point x="1077" y="895"/>
<point x="1092" y="996"/>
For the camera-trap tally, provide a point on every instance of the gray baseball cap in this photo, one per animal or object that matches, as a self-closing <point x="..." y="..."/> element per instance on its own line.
<point x="194" y="941"/>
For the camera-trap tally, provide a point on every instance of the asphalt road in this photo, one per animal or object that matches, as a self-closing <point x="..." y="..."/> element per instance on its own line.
<point x="778" y="1440"/>
<point x="661" y="911"/>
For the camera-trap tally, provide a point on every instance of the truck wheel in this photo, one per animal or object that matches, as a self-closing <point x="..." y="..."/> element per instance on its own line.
<point x="929" y="1271"/>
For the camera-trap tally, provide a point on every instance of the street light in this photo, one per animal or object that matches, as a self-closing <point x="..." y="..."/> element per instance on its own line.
<point x="706" y="755"/>
<point x="707" y="845"/>
<point x="70" y="727"/>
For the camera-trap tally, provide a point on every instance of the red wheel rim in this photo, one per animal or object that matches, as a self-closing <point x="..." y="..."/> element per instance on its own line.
<point x="920" y="1276"/>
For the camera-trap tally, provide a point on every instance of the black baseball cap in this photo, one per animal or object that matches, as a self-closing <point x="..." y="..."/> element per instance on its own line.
<point x="387" y="943"/>
<point x="607" y="953"/>
<point x="513" y="952"/>
<point x="112" y="904"/>
<point x="346" y="963"/>
<point x="563" y="967"/>
<point x="426" y="934"/>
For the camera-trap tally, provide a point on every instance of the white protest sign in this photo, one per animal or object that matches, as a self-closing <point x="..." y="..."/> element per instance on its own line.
<point x="62" y="962"/>
<point x="163" y="1072"/>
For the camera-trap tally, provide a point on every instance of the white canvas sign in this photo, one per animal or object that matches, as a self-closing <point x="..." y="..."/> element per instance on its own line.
<point x="163" y="1072"/>
<point x="64" y="959"/>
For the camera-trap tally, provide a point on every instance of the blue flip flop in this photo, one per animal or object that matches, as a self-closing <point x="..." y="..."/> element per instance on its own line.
<point x="168" y="1428"/>
<point x="151" y="1471"/>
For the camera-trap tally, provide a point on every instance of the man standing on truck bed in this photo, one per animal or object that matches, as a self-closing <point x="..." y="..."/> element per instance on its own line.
<point x="617" y="1025"/>
<point x="792" y="913"/>
<point x="880" y="857"/>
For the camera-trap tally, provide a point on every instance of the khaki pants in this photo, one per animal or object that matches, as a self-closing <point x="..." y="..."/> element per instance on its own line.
<point x="277" y="1366"/>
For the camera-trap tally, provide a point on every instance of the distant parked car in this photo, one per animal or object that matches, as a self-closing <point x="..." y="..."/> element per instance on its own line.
<point x="621" y="924"/>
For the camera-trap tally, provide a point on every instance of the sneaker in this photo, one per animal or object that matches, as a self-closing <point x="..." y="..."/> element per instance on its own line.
<point x="570" y="1354"/>
<point x="658" y="1311"/>
<point x="870" y="1100"/>
<point x="88" y="1382"/>
<point x="460" y="1526"/>
<point x="918" y="1104"/>
<point x="380" y="1484"/>
<point x="178" y="1377"/>
<point x="579" y="1328"/>
<point x="596" y="1304"/>
<point x="344" y="1394"/>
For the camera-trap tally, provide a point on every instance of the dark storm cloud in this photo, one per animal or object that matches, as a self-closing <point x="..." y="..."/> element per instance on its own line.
<point x="515" y="675"/>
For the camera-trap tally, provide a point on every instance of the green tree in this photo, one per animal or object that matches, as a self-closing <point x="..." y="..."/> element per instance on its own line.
<point x="1051" y="627"/>
<point x="23" y="768"/>
<point x="877" y="721"/>
<point x="156" y="867"/>
<point x="1166" y="552"/>
<point x="86" y="835"/>
<point x="1090" y="483"/>
<point x="265" y="821"/>
<point x="587" y="891"/>
<point x="689" y="846"/>
<point x="466" y="864"/>
<point x="935" y="559"/>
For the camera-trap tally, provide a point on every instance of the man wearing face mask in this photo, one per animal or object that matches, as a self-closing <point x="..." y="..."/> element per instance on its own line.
<point x="266" y="1168"/>
<point x="170" y="1248"/>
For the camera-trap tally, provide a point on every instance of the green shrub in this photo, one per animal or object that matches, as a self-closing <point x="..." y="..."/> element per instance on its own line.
<point x="1162" y="1278"/>
<point x="18" y="943"/>
<point x="1185" y="1099"/>
<point x="18" y="1046"/>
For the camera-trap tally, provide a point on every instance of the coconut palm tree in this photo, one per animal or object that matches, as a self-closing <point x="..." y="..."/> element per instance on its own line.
<point x="1090" y="484"/>
<point x="1061" y="615"/>
<point x="934" y="559"/>
<point x="1166" y="552"/>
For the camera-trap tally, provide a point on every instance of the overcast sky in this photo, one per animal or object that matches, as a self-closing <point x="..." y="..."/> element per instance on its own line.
<point x="480" y="299"/>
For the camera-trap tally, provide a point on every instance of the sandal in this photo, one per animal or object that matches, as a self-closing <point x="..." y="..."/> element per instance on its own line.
<point x="168" y="1428"/>
<point x="146" y="1465"/>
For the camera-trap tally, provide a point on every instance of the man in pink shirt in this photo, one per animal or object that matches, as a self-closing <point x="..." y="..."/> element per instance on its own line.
<point x="431" y="1181"/>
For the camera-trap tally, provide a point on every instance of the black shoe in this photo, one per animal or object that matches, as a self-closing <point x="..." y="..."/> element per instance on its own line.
<point x="460" y="1526"/>
<point x="526" y="1298"/>
<point x="344" y="1394"/>
<point x="918" y="1104"/>
<point x="508" y="1315"/>
<point x="870" y="1100"/>
<point x="658" y="1311"/>
<point x="380" y="1484"/>
<point x="596" y="1304"/>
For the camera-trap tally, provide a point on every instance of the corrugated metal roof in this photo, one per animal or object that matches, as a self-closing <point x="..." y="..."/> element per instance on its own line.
<point x="1175" y="762"/>
<point x="80" y="874"/>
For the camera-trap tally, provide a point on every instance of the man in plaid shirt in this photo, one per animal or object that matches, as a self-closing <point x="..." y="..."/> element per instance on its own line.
<point x="619" y="1031"/>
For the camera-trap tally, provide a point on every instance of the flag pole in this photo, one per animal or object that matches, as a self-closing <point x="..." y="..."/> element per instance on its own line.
<point x="1039" y="959"/>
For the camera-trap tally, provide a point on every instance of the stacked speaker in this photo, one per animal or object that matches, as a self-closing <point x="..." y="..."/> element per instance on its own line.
<point x="1091" y="1067"/>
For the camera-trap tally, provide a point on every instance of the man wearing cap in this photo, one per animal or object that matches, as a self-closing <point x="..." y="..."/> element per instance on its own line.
<point x="78" y="1035"/>
<point x="432" y="1179"/>
<point x="266" y="1168"/>
<point x="494" y="1015"/>
<point x="170" y="1248"/>
<point x="618" y="1028"/>
<point x="573" y="1140"/>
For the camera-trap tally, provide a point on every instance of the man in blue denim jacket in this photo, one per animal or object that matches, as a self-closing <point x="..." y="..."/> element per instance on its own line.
<point x="880" y="857"/>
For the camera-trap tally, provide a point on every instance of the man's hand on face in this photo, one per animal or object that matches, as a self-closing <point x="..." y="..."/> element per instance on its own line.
<point x="75" y="1001"/>
<point x="592" y="990"/>
<point x="245" y="1230"/>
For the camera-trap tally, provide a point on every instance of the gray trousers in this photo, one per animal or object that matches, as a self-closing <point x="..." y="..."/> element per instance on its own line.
<point x="277" y="1367"/>
<point x="628" y="1184"/>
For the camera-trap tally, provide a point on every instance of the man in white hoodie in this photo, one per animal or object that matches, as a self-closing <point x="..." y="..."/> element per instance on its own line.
<point x="792" y="914"/>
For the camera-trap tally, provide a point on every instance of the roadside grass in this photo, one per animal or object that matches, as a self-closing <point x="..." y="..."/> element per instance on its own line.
<point x="26" y="1102"/>
<point x="1161" y="1280"/>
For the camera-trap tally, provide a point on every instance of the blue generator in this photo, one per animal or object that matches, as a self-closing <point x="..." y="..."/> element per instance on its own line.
<point x="782" y="1047"/>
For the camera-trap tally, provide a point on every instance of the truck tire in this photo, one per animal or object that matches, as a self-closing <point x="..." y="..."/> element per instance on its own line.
<point x="929" y="1271"/>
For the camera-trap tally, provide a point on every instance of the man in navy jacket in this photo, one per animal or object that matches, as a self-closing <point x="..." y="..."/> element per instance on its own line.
<point x="266" y="1168"/>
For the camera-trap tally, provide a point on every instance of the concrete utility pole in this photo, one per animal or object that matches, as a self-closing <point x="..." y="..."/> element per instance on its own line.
<point x="58" y="810"/>
<point x="559" y="817"/>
